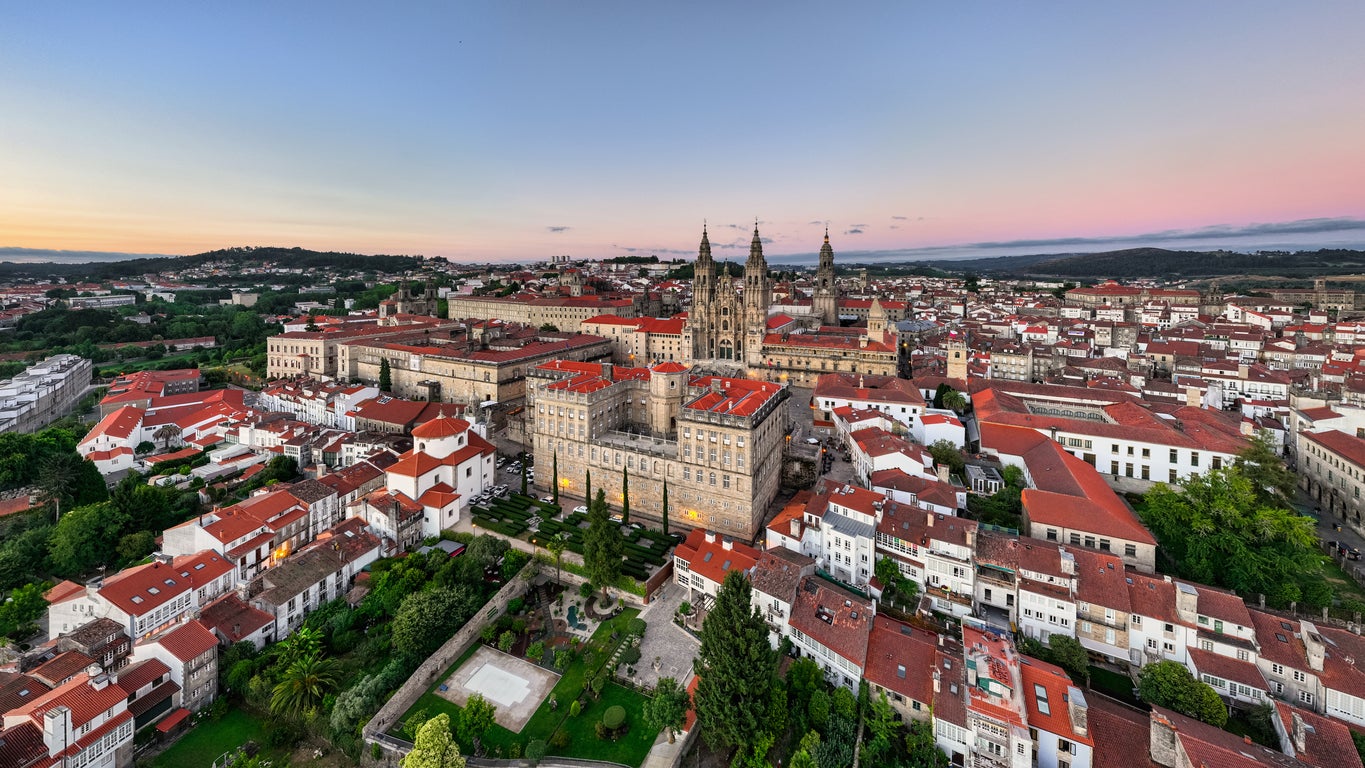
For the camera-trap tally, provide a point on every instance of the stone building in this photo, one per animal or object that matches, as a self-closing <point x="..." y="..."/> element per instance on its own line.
<point x="458" y="370"/>
<point x="717" y="442"/>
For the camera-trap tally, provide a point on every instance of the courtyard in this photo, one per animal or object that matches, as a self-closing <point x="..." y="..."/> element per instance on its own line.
<point x="515" y="686"/>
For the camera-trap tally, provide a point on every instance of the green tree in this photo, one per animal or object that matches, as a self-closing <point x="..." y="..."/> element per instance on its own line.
<point x="920" y="748"/>
<point x="882" y="729"/>
<point x="86" y="538"/>
<point x="554" y="483"/>
<point x="896" y="588"/>
<point x="947" y="454"/>
<point x="667" y="710"/>
<point x="476" y="717"/>
<point x="955" y="401"/>
<point x="1068" y="653"/>
<point x="736" y="665"/>
<point x="1169" y="684"/>
<point x="144" y="447"/>
<point x="556" y="545"/>
<point x="303" y="686"/>
<point x="804" y="678"/>
<point x="602" y="545"/>
<point x="19" y="614"/>
<point x="625" y="496"/>
<point x="587" y="487"/>
<point x="135" y="546"/>
<point x="427" y="619"/>
<point x="523" y="478"/>
<point x="434" y="746"/>
<point x="1215" y="530"/>
<point x="385" y="375"/>
<point x="1273" y="481"/>
<point x="665" y="513"/>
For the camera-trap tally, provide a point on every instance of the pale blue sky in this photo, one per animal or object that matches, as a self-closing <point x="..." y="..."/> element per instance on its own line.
<point x="475" y="131"/>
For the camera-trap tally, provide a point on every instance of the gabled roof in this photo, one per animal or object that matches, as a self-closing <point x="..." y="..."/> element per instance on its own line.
<point x="187" y="641"/>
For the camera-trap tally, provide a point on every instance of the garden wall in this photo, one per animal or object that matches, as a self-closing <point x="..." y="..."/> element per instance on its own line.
<point x="421" y="680"/>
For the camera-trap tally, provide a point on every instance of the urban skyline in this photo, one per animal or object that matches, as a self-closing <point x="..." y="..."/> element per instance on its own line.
<point x="505" y="133"/>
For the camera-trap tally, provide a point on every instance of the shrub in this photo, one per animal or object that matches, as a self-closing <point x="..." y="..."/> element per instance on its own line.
<point x="685" y="609"/>
<point x="636" y="626"/>
<point x="575" y="708"/>
<point x="614" y="717"/>
<point x="515" y="605"/>
<point x="562" y="659"/>
<point x="585" y="590"/>
<point x="561" y="739"/>
<point x="600" y="729"/>
<point x="536" y="651"/>
<point x="631" y="655"/>
<point x="505" y="641"/>
<point x="519" y="626"/>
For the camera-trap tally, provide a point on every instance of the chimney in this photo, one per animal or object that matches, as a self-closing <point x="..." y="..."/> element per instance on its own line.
<point x="942" y="472"/>
<point x="1192" y="398"/>
<point x="1161" y="741"/>
<point x="1242" y="370"/>
<point x="971" y="538"/>
<point x="1078" y="711"/>
<point x="607" y="371"/>
<point x="1298" y="734"/>
<point x="930" y="517"/>
<point x="710" y="537"/>
<point x="796" y="527"/>
<point x="936" y="682"/>
<point x="727" y="543"/>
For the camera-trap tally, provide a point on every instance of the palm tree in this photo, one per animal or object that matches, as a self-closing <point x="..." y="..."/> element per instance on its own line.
<point x="166" y="434"/>
<point x="303" y="686"/>
<point x="56" y="475"/>
<point x="955" y="400"/>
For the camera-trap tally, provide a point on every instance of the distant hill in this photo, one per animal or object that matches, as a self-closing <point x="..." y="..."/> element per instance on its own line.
<point x="300" y="258"/>
<point x="1160" y="262"/>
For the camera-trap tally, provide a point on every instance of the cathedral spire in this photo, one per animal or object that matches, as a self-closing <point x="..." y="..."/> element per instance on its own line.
<point x="704" y="253"/>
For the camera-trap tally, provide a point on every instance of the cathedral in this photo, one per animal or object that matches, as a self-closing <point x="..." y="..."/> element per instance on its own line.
<point x="728" y="322"/>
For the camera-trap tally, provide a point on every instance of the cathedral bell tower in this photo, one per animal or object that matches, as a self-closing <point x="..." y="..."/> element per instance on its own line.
<point x="825" y="300"/>
<point x="758" y="296"/>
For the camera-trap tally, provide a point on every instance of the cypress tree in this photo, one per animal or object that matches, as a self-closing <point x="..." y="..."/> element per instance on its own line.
<point x="554" y="487"/>
<point x="602" y="544"/>
<point x="385" y="375"/>
<point x="625" y="496"/>
<point x="587" y="491"/>
<point x="665" y="506"/>
<point x="736" y="668"/>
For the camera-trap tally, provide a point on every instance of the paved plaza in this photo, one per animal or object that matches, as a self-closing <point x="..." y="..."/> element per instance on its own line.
<point x="674" y="647"/>
<point x="515" y="686"/>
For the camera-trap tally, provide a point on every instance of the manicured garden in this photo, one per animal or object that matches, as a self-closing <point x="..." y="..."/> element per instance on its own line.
<point x="645" y="549"/>
<point x="569" y="719"/>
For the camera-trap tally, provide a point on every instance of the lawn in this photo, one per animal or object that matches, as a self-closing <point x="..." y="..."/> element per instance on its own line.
<point x="208" y="741"/>
<point x="1115" y="684"/>
<point x="630" y="749"/>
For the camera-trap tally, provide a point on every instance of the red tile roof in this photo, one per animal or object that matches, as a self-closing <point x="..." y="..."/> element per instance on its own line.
<point x="443" y="427"/>
<point x="118" y="424"/>
<point x="132" y="592"/>
<point x="901" y="659"/>
<point x="188" y="641"/>
<point x="1050" y="710"/>
<point x="711" y="559"/>
<point x="834" y="617"/>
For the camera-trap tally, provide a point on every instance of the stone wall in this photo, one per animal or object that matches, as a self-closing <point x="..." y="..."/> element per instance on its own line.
<point x="437" y="663"/>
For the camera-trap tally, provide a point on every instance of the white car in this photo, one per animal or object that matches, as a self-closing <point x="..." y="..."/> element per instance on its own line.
<point x="580" y="509"/>
<point x="548" y="499"/>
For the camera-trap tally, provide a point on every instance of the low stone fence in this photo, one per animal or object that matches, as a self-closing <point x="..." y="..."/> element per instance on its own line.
<point x="376" y="729"/>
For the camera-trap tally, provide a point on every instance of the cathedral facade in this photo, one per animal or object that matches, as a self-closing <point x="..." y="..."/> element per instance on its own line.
<point x="727" y="321"/>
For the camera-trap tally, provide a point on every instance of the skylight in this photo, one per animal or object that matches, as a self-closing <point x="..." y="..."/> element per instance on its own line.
<point x="1040" y="693"/>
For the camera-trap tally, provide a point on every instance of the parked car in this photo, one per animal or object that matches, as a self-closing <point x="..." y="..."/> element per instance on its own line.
<point x="547" y="499"/>
<point x="580" y="509"/>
